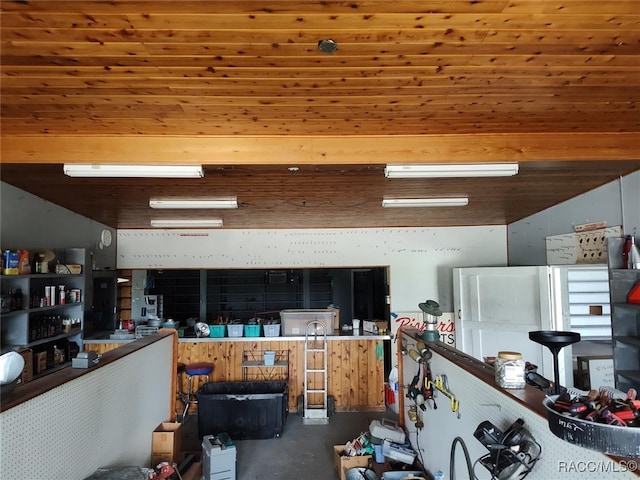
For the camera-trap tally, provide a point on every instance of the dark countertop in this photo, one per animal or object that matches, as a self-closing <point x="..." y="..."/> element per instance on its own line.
<point x="32" y="389"/>
<point x="530" y="397"/>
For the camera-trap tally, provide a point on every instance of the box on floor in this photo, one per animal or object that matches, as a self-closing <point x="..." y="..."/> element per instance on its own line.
<point x="343" y="463"/>
<point x="166" y="443"/>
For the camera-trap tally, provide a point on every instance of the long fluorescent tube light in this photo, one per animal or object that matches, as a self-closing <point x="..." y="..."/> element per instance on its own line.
<point x="177" y="223"/>
<point x="425" y="202"/>
<point x="161" y="171"/>
<point x="202" y="203"/>
<point x="451" y="170"/>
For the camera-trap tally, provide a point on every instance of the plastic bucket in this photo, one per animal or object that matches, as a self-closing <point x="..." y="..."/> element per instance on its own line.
<point x="360" y="473"/>
<point x="269" y="358"/>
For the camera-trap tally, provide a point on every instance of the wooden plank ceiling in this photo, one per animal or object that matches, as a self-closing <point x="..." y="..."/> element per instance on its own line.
<point x="242" y="88"/>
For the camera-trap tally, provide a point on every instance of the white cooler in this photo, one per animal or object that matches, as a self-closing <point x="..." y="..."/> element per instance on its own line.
<point x="218" y="458"/>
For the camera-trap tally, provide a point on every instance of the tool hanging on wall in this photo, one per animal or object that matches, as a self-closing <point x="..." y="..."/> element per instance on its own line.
<point x="415" y="390"/>
<point x="427" y="389"/>
<point x="442" y="385"/>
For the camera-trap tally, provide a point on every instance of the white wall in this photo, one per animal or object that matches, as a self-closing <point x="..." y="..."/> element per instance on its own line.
<point x="479" y="401"/>
<point x="104" y="418"/>
<point x="420" y="259"/>
<point x="29" y="222"/>
<point x="617" y="203"/>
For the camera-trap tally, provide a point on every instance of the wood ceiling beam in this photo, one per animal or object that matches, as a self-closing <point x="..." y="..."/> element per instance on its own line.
<point x="331" y="150"/>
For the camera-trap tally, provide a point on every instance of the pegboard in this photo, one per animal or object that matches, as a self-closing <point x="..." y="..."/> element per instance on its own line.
<point x="102" y="419"/>
<point x="420" y="260"/>
<point x="580" y="247"/>
<point x="286" y="248"/>
<point x="479" y="402"/>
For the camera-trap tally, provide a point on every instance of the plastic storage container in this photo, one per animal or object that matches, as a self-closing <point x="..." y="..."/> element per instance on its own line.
<point x="294" y="322"/>
<point x="387" y="429"/>
<point x="252" y="330"/>
<point x="271" y="330"/>
<point x="216" y="331"/>
<point x="234" y="330"/>
<point x="218" y="458"/>
<point x="509" y="370"/>
<point x="244" y="410"/>
<point x="400" y="453"/>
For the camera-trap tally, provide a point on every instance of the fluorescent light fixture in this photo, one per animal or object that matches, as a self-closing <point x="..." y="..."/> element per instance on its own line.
<point x="451" y="170"/>
<point x="178" y="223"/>
<point x="425" y="202"/>
<point x="231" y="202"/>
<point x="161" y="171"/>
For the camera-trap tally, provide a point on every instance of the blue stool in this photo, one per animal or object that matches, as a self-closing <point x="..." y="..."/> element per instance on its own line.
<point x="199" y="369"/>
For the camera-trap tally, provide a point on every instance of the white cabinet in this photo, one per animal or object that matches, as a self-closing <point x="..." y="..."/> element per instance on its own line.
<point x="497" y="307"/>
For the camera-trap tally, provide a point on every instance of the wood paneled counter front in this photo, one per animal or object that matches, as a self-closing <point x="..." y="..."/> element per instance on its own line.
<point x="355" y="364"/>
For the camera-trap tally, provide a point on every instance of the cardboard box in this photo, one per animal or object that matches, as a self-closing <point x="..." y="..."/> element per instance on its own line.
<point x="68" y="269"/>
<point x="11" y="262"/>
<point x="39" y="362"/>
<point x="371" y="325"/>
<point x="166" y="443"/>
<point x="343" y="463"/>
<point x="336" y="317"/>
<point x="27" y="371"/>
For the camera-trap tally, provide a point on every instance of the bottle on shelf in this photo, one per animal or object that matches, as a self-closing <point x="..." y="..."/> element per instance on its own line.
<point x="58" y="355"/>
<point x="626" y="250"/>
<point x="12" y="299"/>
<point x="5" y="303"/>
<point x="18" y="299"/>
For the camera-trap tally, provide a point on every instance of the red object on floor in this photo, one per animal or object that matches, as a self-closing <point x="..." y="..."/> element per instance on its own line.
<point x="634" y="294"/>
<point x="164" y="471"/>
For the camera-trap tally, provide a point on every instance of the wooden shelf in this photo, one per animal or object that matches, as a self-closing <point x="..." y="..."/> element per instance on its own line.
<point x="628" y="340"/>
<point x="41" y="341"/>
<point x="261" y="364"/>
<point x="254" y="368"/>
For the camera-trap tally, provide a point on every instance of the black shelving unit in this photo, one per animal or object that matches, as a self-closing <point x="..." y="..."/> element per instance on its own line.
<point x="625" y="319"/>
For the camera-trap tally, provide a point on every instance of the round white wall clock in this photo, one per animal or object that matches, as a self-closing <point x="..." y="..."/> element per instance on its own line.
<point x="105" y="238"/>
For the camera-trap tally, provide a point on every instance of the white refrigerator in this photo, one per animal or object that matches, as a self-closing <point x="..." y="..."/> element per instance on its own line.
<point x="495" y="308"/>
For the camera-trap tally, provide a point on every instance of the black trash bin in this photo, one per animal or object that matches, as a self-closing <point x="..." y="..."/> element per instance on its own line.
<point x="243" y="410"/>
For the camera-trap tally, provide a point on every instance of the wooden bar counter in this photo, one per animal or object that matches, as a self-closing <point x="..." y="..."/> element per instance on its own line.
<point x="355" y="364"/>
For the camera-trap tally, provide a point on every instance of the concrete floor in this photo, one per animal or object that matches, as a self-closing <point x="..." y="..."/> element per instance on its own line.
<point x="301" y="452"/>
